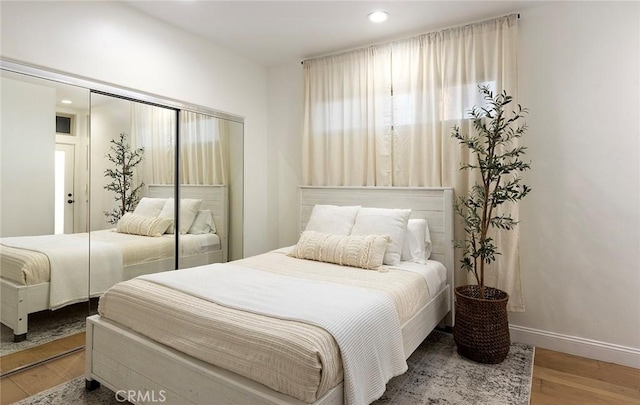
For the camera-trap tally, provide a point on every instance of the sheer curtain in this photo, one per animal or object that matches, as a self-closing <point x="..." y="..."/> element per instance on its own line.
<point x="432" y="82"/>
<point x="201" y="149"/>
<point x="201" y="146"/>
<point x="347" y="120"/>
<point x="154" y="128"/>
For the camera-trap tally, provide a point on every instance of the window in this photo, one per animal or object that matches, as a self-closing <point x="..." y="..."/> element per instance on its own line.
<point x="65" y="124"/>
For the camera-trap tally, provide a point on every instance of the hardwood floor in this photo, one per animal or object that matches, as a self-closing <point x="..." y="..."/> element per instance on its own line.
<point x="36" y="354"/>
<point x="42" y="377"/>
<point x="558" y="378"/>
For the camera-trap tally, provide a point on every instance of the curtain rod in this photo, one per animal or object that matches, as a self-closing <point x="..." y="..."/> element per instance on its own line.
<point x="518" y="15"/>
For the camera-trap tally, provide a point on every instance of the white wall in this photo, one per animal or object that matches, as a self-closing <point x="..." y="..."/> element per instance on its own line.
<point x="113" y="43"/>
<point x="285" y="146"/>
<point x="108" y="120"/>
<point x="579" y="70"/>
<point x="27" y="159"/>
<point x="580" y="227"/>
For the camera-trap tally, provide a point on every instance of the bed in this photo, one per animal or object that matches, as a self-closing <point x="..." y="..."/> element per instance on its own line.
<point x="26" y="284"/>
<point x="123" y="354"/>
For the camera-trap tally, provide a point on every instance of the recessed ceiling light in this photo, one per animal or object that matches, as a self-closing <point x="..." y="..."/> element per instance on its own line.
<point x="378" y="16"/>
<point x="66" y="101"/>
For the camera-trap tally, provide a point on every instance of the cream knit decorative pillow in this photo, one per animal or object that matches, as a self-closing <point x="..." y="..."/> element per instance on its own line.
<point x="366" y="252"/>
<point x="144" y="226"/>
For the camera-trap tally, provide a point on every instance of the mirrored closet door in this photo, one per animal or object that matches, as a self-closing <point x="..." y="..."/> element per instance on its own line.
<point x="166" y="187"/>
<point x="132" y="188"/>
<point x="100" y="185"/>
<point x="210" y="170"/>
<point x="44" y="198"/>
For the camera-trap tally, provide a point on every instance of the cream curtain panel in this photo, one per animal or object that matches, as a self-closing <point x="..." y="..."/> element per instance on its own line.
<point x="154" y="128"/>
<point x="383" y="116"/>
<point x="201" y="146"/>
<point x="201" y="149"/>
<point x="347" y="119"/>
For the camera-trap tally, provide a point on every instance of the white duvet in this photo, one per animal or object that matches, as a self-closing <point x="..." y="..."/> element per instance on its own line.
<point x="69" y="260"/>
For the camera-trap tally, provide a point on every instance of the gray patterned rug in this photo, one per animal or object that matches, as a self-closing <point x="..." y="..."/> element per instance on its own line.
<point x="47" y="326"/>
<point x="437" y="375"/>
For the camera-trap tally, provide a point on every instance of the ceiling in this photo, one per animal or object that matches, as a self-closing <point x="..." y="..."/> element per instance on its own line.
<point x="276" y="32"/>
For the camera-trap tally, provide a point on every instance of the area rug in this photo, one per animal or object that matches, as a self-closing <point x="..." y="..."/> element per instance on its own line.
<point x="47" y="326"/>
<point x="437" y="375"/>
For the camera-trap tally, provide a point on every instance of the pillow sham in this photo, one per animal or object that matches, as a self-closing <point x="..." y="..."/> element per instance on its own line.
<point x="417" y="242"/>
<point x="140" y="225"/>
<point x="332" y="219"/>
<point x="188" y="209"/>
<point x="365" y="252"/>
<point x="384" y="221"/>
<point x="149" y="207"/>
<point x="203" y="223"/>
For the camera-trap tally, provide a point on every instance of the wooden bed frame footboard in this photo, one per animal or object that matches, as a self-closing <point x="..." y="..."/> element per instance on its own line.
<point x="141" y="369"/>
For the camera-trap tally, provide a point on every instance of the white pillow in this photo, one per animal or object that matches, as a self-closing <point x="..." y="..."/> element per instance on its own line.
<point x="384" y="221"/>
<point x="203" y="223"/>
<point x="144" y="226"/>
<point x="366" y="252"/>
<point x="332" y="219"/>
<point x="417" y="242"/>
<point x="149" y="207"/>
<point x="188" y="209"/>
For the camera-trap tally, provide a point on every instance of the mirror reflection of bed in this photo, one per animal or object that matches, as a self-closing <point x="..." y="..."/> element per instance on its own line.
<point x="52" y="263"/>
<point x="44" y="199"/>
<point x="50" y="271"/>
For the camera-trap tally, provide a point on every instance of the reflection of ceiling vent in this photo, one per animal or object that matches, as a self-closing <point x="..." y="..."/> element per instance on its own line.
<point x="64" y="124"/>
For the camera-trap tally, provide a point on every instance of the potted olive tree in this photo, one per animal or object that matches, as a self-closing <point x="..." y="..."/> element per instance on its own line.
<point x="481" y="329"/>
<point x="124" y="160"/>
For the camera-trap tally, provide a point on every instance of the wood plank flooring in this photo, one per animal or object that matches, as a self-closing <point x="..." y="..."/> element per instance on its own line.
<point x="39" y="353"/>
<point x="39" y="378"/>
<point x="558" y="378"/>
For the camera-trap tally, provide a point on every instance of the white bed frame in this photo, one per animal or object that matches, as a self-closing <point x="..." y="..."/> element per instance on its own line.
<point x="19" y="300"/>
<point x="142" y="369"/>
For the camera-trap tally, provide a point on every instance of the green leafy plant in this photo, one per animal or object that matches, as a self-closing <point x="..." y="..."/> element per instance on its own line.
<point x="499" y="164"/>
<point x="125" y="160"/>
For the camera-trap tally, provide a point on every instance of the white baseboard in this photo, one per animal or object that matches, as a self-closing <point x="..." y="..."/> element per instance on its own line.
<point x="593" y="349"/>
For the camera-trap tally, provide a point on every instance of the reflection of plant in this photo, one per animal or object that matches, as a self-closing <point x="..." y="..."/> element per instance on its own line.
<point x="125" y="160"/>
<point x="498" y="163"/>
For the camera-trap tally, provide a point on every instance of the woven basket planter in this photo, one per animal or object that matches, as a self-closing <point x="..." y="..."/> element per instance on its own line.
<point x="481" y="329"/>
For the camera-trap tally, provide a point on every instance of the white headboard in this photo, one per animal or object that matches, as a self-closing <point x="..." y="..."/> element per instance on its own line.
<point x="433" y="204"/>
<point x="214" y="198"/>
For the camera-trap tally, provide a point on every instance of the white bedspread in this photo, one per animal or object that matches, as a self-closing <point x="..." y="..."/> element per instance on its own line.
<point x="363" y="322"/>
<point x="69" y="260"/>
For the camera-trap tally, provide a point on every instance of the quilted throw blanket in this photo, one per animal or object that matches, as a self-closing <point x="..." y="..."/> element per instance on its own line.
<point x="363" y="322"/>
<point x="68" y="256"/>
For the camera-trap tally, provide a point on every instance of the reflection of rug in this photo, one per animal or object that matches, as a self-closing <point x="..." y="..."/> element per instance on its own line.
<point x="47" y="326"/>
<point x="437" y="375"/>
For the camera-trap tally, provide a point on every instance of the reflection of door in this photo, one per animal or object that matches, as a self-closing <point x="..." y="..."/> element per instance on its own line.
<point x="64" y="195"/>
